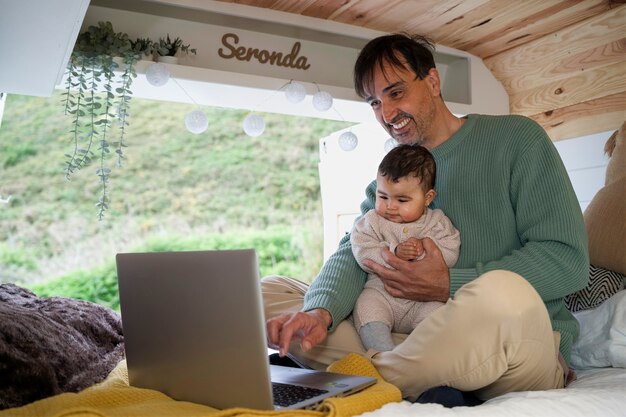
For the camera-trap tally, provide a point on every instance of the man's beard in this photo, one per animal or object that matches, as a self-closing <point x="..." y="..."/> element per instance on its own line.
<point x="419" y="132"/>
<point x="419" y="141"/>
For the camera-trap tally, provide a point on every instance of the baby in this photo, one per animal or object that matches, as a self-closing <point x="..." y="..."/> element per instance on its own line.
<point x="401" y="219"/>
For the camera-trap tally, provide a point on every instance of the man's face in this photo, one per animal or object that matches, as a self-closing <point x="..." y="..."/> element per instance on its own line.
<point x="404" y="105"/>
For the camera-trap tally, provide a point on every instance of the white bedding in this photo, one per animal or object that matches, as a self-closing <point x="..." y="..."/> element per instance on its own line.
<point x="596" y="393"/>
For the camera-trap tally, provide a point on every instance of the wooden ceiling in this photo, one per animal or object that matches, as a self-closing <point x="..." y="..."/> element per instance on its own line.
<point x="563" y="63"/>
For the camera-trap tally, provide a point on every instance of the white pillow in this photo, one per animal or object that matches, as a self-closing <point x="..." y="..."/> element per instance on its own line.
<point x="602" y="339"/>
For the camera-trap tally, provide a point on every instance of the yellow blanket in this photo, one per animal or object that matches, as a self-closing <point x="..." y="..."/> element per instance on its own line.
<point x="115" y="398"/>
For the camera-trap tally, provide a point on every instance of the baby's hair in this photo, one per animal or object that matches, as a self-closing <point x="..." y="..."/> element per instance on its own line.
<point x="405" y="160"/>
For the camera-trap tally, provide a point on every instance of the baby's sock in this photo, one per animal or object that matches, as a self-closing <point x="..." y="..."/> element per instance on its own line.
<point x="376" y="335"/>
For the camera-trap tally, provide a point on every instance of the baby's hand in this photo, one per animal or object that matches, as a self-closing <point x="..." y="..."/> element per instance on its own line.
<point x="410" y="250"/>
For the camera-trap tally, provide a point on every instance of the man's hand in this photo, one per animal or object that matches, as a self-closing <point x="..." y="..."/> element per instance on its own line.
<point x="410" y="250"/>
<point x="309" y="328"/>
<point x="425" y="280"/>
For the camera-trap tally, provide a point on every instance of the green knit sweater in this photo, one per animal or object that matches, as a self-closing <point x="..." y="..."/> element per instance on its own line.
<point x="502" y="183"/>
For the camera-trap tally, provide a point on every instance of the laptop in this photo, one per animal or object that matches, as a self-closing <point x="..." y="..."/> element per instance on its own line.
<point x="194" y="329"/>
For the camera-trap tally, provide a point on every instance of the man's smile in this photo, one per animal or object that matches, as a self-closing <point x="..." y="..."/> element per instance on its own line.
<point x="401" y="124"/>
<point x="400" y="128"/>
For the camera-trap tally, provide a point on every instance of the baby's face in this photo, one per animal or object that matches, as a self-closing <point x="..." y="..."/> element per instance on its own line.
<point x="401" y="202"/>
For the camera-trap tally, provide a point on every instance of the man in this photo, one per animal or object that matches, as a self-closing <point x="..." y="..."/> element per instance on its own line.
<point x="504" y="326"/>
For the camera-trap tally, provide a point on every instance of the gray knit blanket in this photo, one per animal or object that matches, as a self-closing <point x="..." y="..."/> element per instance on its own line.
<point x="53" y="345"/>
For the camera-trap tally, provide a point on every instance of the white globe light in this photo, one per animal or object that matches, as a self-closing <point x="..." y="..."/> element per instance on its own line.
<point x="295" y="92"/>
<point x="390" y="144"/>
<point x="196" y="122"/>
<point x="157" y="74"/>
<point x="322" y="100"/>
<point x="348" y="141"/>
<point x="253" y="125"/>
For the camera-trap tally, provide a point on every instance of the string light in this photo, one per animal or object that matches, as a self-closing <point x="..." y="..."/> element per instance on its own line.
<point x="295" y="92"/>
<point x="196" y="122"/>
<point x="157" y="74"/>
<point x="348" y="141"/>
<point x="253" y="125"/>
<point x="390" y="144"/>
<point x="322" y="101"/>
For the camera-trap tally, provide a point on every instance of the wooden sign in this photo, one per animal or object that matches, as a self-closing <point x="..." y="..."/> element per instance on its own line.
<point x="263" y="56"/>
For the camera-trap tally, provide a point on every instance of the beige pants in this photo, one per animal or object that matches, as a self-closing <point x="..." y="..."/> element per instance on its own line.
<point x="494" y="337"/>
<point x="400" y="315"/>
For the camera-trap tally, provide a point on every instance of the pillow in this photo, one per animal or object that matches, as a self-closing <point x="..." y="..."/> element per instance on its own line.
<point x="602" y="285"/>
<point x="605" y="216"/>
<point x="602" y="339"/>
<point x="615" y="147"/>
<point x="53" y="345"/>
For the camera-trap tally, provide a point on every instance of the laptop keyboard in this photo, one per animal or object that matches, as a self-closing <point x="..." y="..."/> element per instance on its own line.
<point x="286" y="395"/>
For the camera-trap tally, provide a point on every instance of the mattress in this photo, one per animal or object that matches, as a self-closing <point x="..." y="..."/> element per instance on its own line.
<point x="599" y="358"/>
<point x="597" y="392"/>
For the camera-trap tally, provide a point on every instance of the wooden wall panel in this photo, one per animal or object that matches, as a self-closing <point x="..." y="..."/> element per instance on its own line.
<point x="593" y="116"/>
<point x="329" y="9"/>
<point x="607" y="54"/>
<point x="584" y="86"/>
<point x="572" y="81"/>
<point x="489" y="20"/>
<point x="440" y="14"/>
<point x="531" y="27"/>
<point x="379" y="15"/>
<point x="299" y="7"/>
<point x="521" y="67"/>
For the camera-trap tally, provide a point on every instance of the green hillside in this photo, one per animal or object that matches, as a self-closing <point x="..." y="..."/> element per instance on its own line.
<point x="175" y="186"/>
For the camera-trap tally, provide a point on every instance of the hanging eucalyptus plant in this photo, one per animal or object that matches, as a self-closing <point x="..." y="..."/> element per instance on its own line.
<point x="97" y="94"/>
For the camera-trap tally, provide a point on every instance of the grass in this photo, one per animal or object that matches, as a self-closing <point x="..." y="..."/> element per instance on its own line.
<point x="175" y="188"/>
<point x="281" y="250"/>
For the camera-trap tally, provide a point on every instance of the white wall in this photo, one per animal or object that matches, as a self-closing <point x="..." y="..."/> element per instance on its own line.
<point x="586" y="163"/>
<point x="344" y="176"/>
<point x="3" y="100"/>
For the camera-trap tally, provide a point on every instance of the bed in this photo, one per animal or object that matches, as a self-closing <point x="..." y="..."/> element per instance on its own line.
<point x="64" y="357"/>
<point x="599" y="355"/>
<point x="598" y="392"/>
